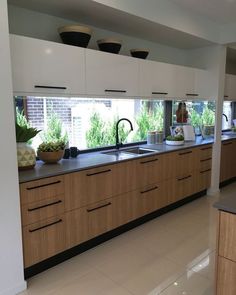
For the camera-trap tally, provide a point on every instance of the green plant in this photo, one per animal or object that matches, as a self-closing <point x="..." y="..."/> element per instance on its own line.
<point x="21" y="119"/>
<point x="54" y="132"/>
<point x="24" y="133"/>
<point x="195" y="118"/>
<point x="208" y="117"/>
<point x="175" y="138"/>
<point x="51" y="146"/>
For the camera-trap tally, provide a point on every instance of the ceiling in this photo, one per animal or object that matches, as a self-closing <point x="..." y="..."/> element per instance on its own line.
<point x="219" y="11"/>
<point x="98" y="15"/>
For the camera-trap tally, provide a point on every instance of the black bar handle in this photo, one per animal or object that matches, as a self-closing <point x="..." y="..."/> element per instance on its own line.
<point x="161" y="93"/>
<point x="206" y="148"/>
<point x="42" y="185"/>
<point x="204" y="160"/>
<point x="192" y="94"/>
<point x="50" y="87"/>
<point x="204" y="171"/>
<point x="186" y="177"/>
<point x="185" y="153"/>
<point x="115" y="90"/>
<point x="228" y="143"/>
<point x="99" y="207"/>
<point x="148" y="161"/>
<point x="149" y="190"/>
<point x="99" y="172"/>
<point x="43" y="206"/>
<point x="226" y="96"/>
<point x="44" y="226"/>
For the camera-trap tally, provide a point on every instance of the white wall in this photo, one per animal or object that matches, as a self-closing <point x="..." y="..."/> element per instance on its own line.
<point x="42" y="26"/>
<point x="11" y="260"/>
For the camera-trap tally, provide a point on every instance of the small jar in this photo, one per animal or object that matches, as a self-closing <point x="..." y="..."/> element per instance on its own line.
<point x="151" y="137"/>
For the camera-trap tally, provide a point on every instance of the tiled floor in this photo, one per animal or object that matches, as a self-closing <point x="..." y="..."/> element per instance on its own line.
<point x="171" y="255"/>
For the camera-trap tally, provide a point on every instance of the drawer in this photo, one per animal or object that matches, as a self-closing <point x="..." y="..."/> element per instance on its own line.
<point x="227" y="238"/>
<point x="226" y="274"/>
<point x="205" y="152"/>
<point x="99" y="216"/>
<point x="88" y="187"/>
<point x="205" y="164"/>
<point x="42" y="189"/>
<point x="185" y="162"/>
<point x="43" y="239"/>
<point x="36" y="211"/>
<point x="203" y="179"/>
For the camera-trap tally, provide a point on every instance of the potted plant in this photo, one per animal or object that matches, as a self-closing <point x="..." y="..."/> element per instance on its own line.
<point x="208" y="123"/>
<point x="25" y="153"/>
<point x="51" y="152"/>
<point x="175" y="140"/>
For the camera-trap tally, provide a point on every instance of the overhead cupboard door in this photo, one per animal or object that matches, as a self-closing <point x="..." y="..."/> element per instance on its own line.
<point x="40" y="66"/>
<point x="111" y="75"/>
<point x="230" y="87"/>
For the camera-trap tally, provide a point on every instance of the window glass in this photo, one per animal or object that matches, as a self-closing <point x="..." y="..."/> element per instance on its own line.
<point x="90" y="122"/>
<point x="227" y="115"/>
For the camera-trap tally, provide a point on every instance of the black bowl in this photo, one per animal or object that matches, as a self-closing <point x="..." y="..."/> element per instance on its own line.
<point x="139" y="53"/>
<point x="75" y="35"/>
<point x="109" y="45"/>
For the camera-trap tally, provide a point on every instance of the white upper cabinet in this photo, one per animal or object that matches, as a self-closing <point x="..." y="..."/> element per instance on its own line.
<point x="183" y="82"/>
<point x="205" y="84"/>
<point x="44" y="67"/>
<point x="230" y="87"/>
<point x="111" y="75"/>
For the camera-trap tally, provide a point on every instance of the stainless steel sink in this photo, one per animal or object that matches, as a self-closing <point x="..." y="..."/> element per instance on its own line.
<point x="135" y="150"/>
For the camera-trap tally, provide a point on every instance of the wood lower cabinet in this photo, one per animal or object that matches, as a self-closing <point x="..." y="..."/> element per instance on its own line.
<point x="228" y="160"/>
<point x="184" y="162"/>
<point x="226" y="274"/>
<point x="43" y="239"/>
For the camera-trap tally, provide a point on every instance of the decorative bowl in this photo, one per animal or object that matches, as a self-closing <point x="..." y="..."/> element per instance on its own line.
<point x="139" y="53"/>
<point x="109" y="45"/>
<point x="51" y="157"/>
<point x="170" y="142"/>
<point x="76" y="35"/>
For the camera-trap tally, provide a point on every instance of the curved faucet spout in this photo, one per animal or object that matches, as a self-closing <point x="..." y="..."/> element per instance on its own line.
<point x="118" y="143"/>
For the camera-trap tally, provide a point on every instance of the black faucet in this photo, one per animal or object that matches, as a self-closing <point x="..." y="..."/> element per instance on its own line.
<point x="119" y="144"/>
<point x="226" y="118"/>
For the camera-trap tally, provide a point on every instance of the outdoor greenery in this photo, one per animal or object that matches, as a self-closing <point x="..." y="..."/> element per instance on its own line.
<point x="21" y="119"/>
<point x="54" y="132"/>
<point x="208" y="117"/>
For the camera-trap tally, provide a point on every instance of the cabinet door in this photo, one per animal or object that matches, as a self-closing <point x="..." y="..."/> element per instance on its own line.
<point x="150" y="170"/>
<point x="184" y="82"/>
<point x="204" y="84"/>
<point x="230" y="87"/>
<point x="40" y="66"/>
<point x="226" y="274"/>
<point x="100" y="219"/>
<point x="156" y="79"/>
<point x="43" y="239"/>
<point x="111" y="74"/>
<point x="202" y="179"/>
<point x="227" y="167"/>
<point x="185" y="162"/>
<point x="88" y="186"/>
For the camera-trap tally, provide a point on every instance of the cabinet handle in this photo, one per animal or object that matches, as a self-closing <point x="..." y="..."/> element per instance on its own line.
<point x="226" y="96"/>
<point x="149" y="190"/>
<point x="50" y="87"/>
<point x="115" y="90"/>
<point x="228" y="143"/>
<point x="185" y="153"/>
<point x="148" y="161"/>
<point x="204" y="171"/>
<point x="43" y="206"/>
<point x="42" y="185"/>
<point x="99" y="172"/>
<point x="204" y="160"/>
<point x="186" y="177"/>
<point x="192" y="94"/>
<point x="206" y="148"/>
<point x="47" y="225"/>
<point x="99" y="207"/>
<point x="162" y="93"/>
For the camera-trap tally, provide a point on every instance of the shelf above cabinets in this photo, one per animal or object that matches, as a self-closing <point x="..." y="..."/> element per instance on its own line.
<point x="42" y="67"/>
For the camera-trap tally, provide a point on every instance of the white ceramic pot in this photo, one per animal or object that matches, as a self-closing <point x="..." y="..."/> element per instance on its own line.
<point x="170" y="142"/>
<point x="25" y="156"/>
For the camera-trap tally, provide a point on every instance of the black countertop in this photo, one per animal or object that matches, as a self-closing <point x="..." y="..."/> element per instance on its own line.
<point x="96" y="159"/>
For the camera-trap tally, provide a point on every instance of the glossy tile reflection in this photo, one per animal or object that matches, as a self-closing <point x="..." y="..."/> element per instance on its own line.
<point x="170" y="255"/>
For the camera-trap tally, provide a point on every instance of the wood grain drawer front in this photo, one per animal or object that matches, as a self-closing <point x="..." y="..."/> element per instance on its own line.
<point x="205" y="152"/>
<point x="205" y="164"/>
<point x="99" y="218"/>
<point x="227" y="169"/>
<point x="44" y="209"/>
<point x="185" y="162"/>
<point x="202" y="179"/>
<point x="150" y="198"/>
<point x="181" y="188"/>
<point x="226" y="277"/>
<point x="227" y="238"/>
<point x="150" y="170"/>
<point x="87" y="187"/>
<point x="43" y="239"/>
<point x="42" y="189"/>
<point x="125" y="208"/>
<point x="76" y="227"/>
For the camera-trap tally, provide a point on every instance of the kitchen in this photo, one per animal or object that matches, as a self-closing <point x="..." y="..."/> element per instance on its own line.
<point x="212" y="58"/>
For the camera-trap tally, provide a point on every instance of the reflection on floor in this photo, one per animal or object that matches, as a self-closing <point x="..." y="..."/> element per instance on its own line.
<point x="171" y="255"/>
